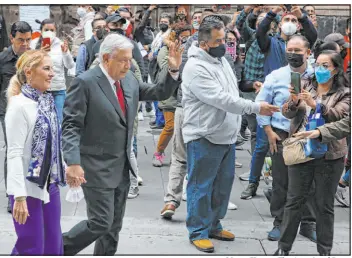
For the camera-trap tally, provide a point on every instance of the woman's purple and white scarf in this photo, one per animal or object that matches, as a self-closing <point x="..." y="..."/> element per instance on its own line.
<point x="47" y="132"/>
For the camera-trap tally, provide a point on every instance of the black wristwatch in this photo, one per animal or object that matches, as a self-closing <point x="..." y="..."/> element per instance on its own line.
<point x="174" y="70"/>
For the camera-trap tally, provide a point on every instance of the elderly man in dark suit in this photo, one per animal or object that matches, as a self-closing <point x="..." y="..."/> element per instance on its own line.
<point x="99" y="112"/>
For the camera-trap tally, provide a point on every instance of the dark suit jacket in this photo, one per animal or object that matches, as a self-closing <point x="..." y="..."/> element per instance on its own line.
<point x="96" y="135"/>
<point x="8" y="61"/>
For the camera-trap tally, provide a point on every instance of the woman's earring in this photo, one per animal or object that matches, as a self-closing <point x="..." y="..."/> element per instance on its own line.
<point x="30" y="80"/>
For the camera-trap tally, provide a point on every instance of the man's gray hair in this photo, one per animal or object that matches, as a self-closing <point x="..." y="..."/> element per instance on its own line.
<point x="113" y="42"/>
<point x="209" y="23"/>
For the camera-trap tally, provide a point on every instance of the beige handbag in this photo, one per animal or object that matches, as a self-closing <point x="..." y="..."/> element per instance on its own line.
<point x="293" y="151"/>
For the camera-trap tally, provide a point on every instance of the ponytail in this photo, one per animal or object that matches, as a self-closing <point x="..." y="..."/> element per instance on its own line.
<point x="14" y="88"/>
<point x="28" y="60"/>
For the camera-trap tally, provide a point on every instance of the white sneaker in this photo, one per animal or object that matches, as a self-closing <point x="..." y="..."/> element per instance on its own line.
<point x="150" y="114"/>
<point x="232" y="206"/>
<point x="184" y="191"/>
<point x="245" y="176"/>
<point x="342" y="196"/>
<point x="238" y="165"/>
<point x="140" y="180"/>
<point x="140" y="116"/>
<point x="133" y="193"/>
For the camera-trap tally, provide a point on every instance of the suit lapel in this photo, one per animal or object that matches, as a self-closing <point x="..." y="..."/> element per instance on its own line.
<point x="105" y="86"/>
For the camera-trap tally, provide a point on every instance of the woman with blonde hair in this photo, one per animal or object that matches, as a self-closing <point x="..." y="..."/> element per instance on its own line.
<point x="35" y="161"/>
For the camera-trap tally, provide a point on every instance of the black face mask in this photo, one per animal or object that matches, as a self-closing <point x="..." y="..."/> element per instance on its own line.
<point x="295" y="60"/>
<point x="343" y="53"/>
<point x="181" y="16"/>
<point x="184" y="40"/>
<point x="163" y="27"/>
<point x="101" y="33"/>
<point x="118" y="31"/>
<point x="218" y="51"/>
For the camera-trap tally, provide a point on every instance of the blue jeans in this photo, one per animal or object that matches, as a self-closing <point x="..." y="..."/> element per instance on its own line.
<point x="159" y="116"/>
<point x="211" y="171"/>
<point x="346" y="177"/>
<point x="259" y="154"/>
<point x="59" y="98"/>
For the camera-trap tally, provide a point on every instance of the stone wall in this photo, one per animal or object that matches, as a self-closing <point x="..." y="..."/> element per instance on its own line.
<point x="331" y="18"/>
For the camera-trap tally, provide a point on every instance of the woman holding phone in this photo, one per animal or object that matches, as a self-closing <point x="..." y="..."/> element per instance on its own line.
<point x="61" y="58"/>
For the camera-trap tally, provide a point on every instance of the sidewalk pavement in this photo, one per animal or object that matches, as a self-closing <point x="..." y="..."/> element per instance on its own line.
<point x="144" y="228"/>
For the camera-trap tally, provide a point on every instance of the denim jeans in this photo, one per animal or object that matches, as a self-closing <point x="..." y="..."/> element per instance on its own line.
<point x="211" y="171"/>
<point x="347" y="177"/>
<point x="258" y="156"/>
<point x="159" y="116"/>
<point x="59" y="98"/>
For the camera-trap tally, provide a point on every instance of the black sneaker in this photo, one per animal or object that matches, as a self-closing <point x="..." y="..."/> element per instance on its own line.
<point x="280" y="252"/>
<point x="250" y="191"/>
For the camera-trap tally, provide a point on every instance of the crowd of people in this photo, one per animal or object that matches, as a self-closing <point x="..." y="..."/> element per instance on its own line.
<point x="211" y="84"/>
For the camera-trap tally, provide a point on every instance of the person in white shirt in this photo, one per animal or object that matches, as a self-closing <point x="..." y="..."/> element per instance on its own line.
<point x="61" y="58"/>
<point x="35" y="161"/>
<point x="86" y="13"/>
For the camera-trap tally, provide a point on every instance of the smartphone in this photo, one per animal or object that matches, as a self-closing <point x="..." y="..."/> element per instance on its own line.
<point x="296" y="82"/>
<point x="46" y="42"/>
<point x="243" y="48"/>
<point x="288" y="7"/>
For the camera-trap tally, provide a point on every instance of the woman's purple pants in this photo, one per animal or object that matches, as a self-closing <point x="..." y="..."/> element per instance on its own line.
<point x="41" y="234"/>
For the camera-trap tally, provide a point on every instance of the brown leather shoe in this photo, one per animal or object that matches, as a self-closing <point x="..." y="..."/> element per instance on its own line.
<point x="204" y="245"/>
<point x="168" y="211"/>
<point x="223" y="236"/>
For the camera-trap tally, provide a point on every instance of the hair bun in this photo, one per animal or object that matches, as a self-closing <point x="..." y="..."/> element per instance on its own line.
<point x="37" y="21"/>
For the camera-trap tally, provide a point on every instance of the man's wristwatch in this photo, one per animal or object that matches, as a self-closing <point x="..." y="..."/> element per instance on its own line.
<point x="174" y="70"/>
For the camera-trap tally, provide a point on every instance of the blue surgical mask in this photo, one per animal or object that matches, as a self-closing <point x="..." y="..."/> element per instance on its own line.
<point x="322" y="74"/>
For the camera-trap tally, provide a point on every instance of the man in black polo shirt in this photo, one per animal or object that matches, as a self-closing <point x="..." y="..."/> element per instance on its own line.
<point x="20" y="37"/>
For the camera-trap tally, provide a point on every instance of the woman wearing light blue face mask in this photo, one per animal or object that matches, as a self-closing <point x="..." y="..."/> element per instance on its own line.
<point x="329" y="90"/>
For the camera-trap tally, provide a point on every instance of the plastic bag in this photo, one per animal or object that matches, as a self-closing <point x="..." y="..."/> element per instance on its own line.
<point x="75" y="194"/>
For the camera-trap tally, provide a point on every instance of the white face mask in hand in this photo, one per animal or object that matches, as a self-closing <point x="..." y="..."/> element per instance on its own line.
<point x="81" y="12"/>
<point x="289" y="28"/>
<point x="75" y="194"/>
